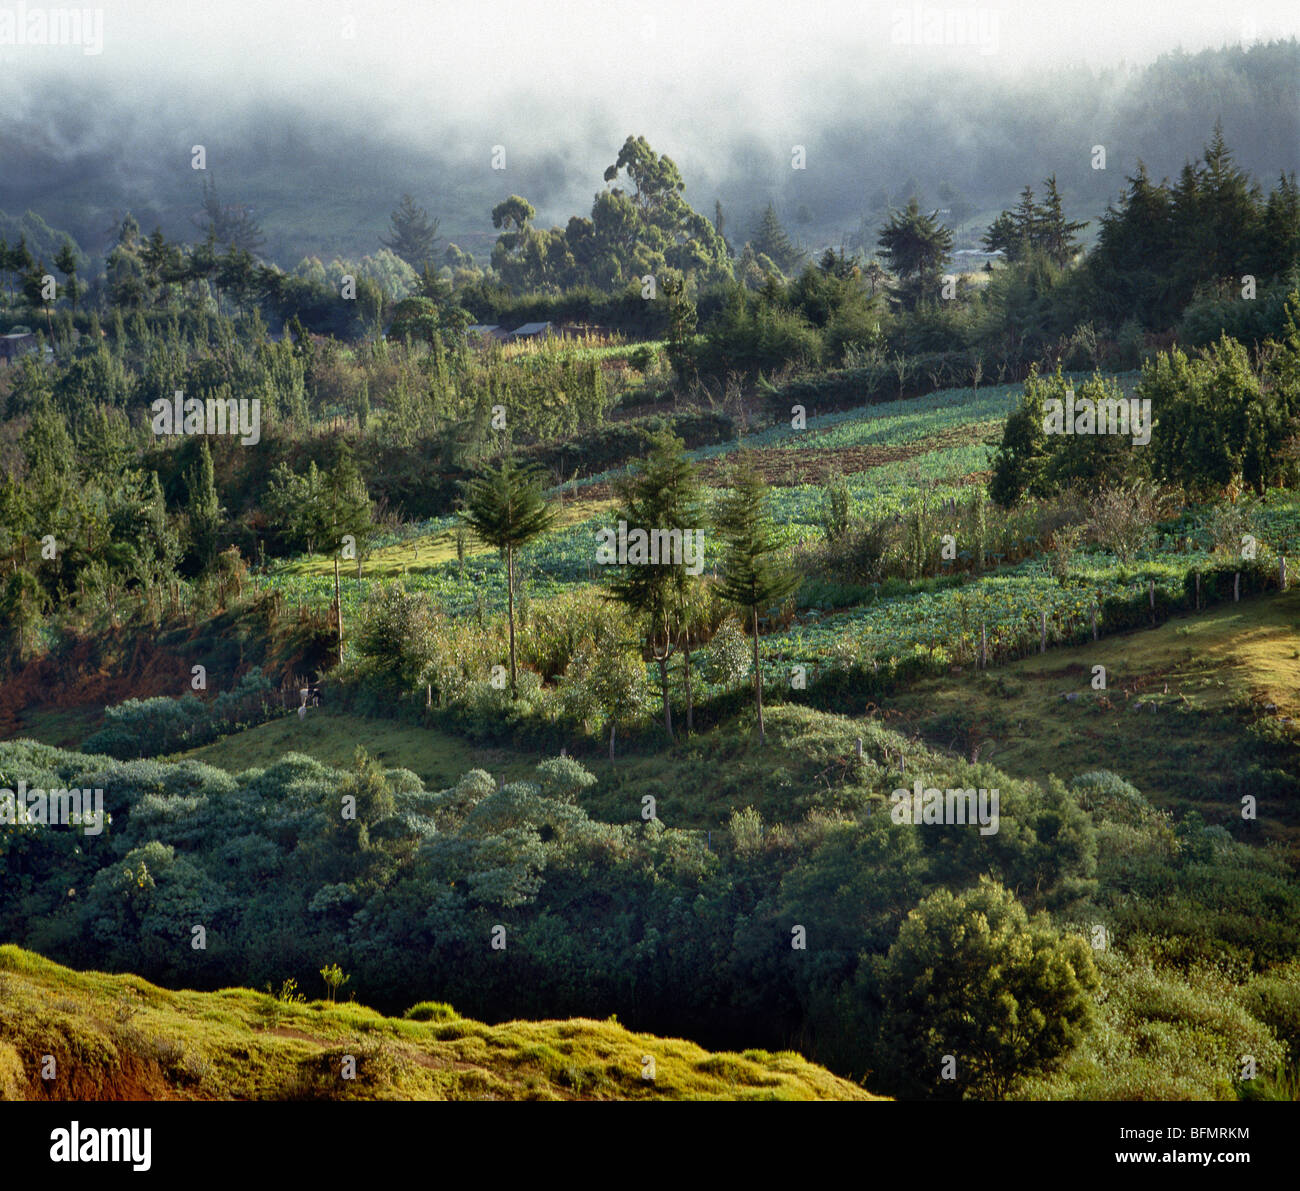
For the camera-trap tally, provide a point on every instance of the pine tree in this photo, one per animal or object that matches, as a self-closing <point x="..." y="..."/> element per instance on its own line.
<point x="770" y="239"/>
<point x="1021" y="457"/>
<point x="414" y="235"/>
<point x="1279" y="241"/>
<point x="752" y="579"/>
<point x="916" y="247"/>
<point x="204" y="509"/>
<point x="506" y="509"/>
<point x="66" y="263"/>
<point x="1131" y="266"/>
<point x="1230" y="205"/>
<point x="230" y="225"/>
<point x="1026" y="221"/>
<point x="347" y="503"/>
<point x="664" y="494"/>
<point x="1055" y="232"/>
<point x="1001" y="237"/>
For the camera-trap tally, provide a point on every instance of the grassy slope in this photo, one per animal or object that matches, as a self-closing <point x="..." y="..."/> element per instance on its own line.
<point x="1200" y="680"/>
<point x="440" y="759"/>
<point x="121" y="1038"/>
<point x="697" y="783"/>
<point x="64" y="727"/>
<point x="1221" y="668"/>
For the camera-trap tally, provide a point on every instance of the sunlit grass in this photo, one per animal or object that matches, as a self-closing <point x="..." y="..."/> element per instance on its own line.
<point x="119" y="1037"/>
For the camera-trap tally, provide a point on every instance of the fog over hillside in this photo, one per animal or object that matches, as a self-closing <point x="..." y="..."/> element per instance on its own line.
<point x="320" y="116"/>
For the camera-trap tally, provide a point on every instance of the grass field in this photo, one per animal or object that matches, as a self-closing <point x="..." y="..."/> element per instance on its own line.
<point x="121" y="1038"/>
<point x="1188" y="708"/>
<point x="65" y="727"/>
<point x="438" y="758"/>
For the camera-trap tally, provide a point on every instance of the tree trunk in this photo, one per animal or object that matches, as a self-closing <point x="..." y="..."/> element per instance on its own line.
<point x="338" y="606"/>
<point x="690" y="699"/>
<point x="510" y="597"/>
<point x="663" y="686"/>
<point x="758" y="683"/>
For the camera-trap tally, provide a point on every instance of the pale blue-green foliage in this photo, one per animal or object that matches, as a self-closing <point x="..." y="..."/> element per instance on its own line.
<point x="520" y="804"/>
<point x="499" y="842"/>
<point x="563" y="779"/>
<point x="38" y="764"/>
<point x="147" y="727"/>
<point x="385" y="268"/>
<point x="332" y="898"/>
<point x="1109" y="798"/>
<point x="449" y="808"/>
<point x="171" y="816"/>
<point x="508" y="867"/>
<point x="728" y="658"/>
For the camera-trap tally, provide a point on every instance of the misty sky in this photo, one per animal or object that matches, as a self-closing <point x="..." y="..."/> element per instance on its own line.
<point x="660" y="64"/>
<point x="726" y="86"/>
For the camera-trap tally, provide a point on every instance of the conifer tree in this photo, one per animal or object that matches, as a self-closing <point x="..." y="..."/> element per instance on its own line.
<point x="414" y="235"/>
<point x="1055" y="232"/>
<point x="916" y="247"/>
<point x="506" y="509"/>
<point x="770" y="239"/>
<point x="752" y="578"/>
<point x="204" y="509"/>
<point x="664" y="494"/>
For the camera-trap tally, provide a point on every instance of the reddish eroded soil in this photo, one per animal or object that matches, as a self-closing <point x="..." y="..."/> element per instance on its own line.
<point x="788" y="467"/>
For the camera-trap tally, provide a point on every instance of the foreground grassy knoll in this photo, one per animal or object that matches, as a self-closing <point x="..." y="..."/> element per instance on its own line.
<point x="121" y="1038"/>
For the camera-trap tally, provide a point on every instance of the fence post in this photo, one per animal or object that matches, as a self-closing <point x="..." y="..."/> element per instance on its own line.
<point x="1198" y="591"/>
<point x="1093" y="614"/>
<point x="1043" y="648"/>
<point x="1281" y="571"/>
<point x="1236" y="587"/>
<point x="984" y="647"/>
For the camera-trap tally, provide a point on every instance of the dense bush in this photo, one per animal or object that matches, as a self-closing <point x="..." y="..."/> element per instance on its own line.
<point x="151" y="727"/>
<point x="639" y="917"/>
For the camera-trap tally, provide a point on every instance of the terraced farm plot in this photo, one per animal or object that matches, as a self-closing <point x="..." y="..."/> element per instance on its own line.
<point x="886" y="450"/>
<point x="431" y="546"/>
